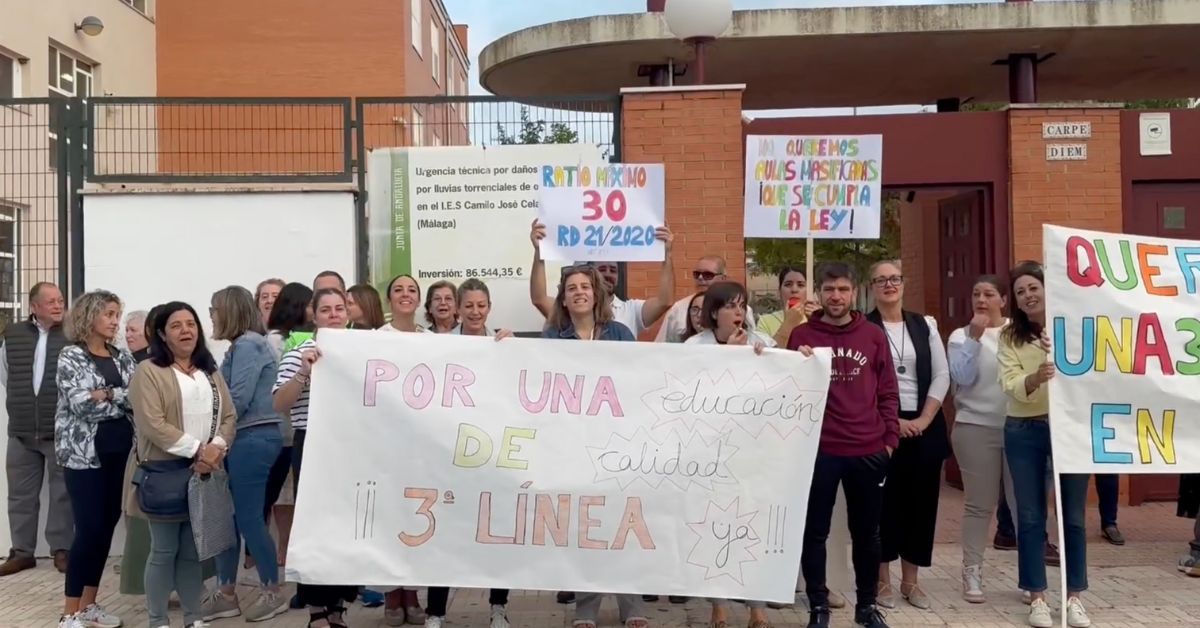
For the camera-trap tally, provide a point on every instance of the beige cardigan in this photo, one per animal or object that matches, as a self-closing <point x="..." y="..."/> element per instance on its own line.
<point x="158" y="419"/>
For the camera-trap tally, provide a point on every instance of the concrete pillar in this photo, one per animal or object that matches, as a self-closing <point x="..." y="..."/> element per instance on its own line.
<point x="697" y="133"/>
<point x="1084" y="194"/>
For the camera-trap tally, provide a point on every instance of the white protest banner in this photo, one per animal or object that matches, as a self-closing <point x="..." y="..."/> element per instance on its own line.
<point x="604" y="213"/>
<point x="1122" y="313"/>
<point x="459" y="212"/>
<point x="815" y="186"/>
<point x="624" y="467"/>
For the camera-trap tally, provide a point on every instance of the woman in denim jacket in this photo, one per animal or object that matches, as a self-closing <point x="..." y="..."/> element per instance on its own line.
<point x="249" y="368"/>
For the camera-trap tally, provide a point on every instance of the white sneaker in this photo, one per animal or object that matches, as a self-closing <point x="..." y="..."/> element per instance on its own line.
<point x="499" y="616"/>
<point x="1077" y="617"/>
<point x="972" y="582"/>
<point x="70" y="621"/>
<point x="197" y="624"/>
<point x="434" y="622"/>
<point x="1039" y="615"/>
<point x="94" y="617"/>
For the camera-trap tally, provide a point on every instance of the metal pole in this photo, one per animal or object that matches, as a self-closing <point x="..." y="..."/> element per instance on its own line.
<point x="699" y="44"/>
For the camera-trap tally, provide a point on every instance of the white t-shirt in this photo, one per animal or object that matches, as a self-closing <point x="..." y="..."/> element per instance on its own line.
<point x="675" y="323"/>
<point x="707" y="337"/>
<point x="904" y="358"/>
<point x="196" y="404"/>
<point x="975" y="371"/>
<point x="420" y="329"/>
<point x="629" y="314"/>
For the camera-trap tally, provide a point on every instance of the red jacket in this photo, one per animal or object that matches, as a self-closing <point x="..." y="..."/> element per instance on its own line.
<point x="861" y="412"/>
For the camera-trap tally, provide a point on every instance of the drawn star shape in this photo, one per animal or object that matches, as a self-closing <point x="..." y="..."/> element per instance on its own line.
<point x="713" y="551"/>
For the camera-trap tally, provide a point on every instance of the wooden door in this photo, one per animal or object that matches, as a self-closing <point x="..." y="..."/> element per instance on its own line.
<point x="960" y="260"/>
<point x="1164" y="210"/>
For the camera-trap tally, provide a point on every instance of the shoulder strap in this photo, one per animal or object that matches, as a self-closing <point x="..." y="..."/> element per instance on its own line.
<point x="216" y="408"/>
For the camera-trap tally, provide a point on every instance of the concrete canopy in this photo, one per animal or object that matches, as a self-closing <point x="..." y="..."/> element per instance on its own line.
<point x="1108" y="50"/>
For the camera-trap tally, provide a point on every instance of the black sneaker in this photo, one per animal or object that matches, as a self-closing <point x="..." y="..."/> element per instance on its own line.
<point x="678" y="599"/>
<point x="818" y="617"/>
<point x="565" y="597"/>
<point x="649" y="598"/>
<point x="869" y="617"/>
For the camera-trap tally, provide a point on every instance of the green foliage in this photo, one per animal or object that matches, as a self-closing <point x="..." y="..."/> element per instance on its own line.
<point x="770" y="255"/>
<point x="535" y="132"/>
<point x="1166" y="103"/>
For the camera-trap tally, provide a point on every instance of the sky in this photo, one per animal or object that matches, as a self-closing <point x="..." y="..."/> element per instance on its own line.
<point x="491" y="19"/>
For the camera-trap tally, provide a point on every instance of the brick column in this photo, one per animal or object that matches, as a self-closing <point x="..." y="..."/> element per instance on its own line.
<point x="696" y="131"/>
<point x="1078" y="193"/>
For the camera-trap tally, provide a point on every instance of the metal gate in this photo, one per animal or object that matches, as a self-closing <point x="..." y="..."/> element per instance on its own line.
<point x="51" y="147"/>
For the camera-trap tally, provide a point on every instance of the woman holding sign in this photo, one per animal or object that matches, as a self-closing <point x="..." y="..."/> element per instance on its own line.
<point x="1026" y="368"/>
<point x="326" y="604"/>
<point x="910" y="497"/>
<point x="582" y="312"/>
<point x="797" y="307"/>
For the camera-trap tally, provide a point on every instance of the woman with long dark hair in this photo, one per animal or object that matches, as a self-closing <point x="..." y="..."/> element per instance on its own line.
<point x="291" y="317"/>
<point x="795" y="306"/>
<point x="185" y="418"/>
<point x="93" y="433"/>
<point x="914" y="480"/>
<point x="694" y="324"/>
<point x="404" y="297"/>
<point x="723" y="319"/>
<point x="326" y="604"/>
<point x="364" y="307"/>
<point x="1026" y="368"/>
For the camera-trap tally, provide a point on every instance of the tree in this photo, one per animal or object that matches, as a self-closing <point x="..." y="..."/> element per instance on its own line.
<point x="535" y="132"/>
<point x="1166" y="103"/>
<point x="770" y="255"/>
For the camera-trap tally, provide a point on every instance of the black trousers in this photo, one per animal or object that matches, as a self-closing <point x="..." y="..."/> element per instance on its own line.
<point x="318" y="595"/>
<point x="863" y="478"/>
<point x="910" y="499"/>
<point x="96" y="496"/>
<point x="438" y="596"/>
<point x="276" y="479"/>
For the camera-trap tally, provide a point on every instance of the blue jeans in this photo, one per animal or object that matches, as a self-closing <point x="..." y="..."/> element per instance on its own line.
<point x="1108" y="490"/>
<point x="249" y="463"/>
<point x="1027" y="445"/>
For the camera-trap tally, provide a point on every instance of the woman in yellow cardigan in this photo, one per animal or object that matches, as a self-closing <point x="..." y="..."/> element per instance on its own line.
<point x="1026" y="368"/>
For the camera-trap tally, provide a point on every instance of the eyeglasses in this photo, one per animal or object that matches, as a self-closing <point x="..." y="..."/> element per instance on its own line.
<point x="703" y="275"/>
<point x="895" y="280"/>
<point x="695" y="309"/>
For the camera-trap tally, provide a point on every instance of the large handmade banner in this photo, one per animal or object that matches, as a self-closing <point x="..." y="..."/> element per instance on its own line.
<point x="1123" y="315"/>
<point x="813" y="186"/>
<point x="557" y="465"/>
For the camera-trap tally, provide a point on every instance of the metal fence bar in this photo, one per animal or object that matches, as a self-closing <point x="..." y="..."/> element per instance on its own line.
<point x="220" y="140"/>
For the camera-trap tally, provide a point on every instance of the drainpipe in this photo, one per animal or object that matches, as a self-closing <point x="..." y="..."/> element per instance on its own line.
<point x="1022" y="75"/>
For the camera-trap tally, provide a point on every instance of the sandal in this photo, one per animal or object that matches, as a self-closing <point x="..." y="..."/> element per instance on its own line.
<point x="637" y="622"/>
<point x="912" y="593"/>
<point x="760" y="624"/>
<point x="583" y="623"/>
<point x="884" y="596"/>
<point x="718" y="624"/>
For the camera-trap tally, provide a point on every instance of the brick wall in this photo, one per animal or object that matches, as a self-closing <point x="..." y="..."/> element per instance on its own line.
<point x="698" y="136"/>
<point x="1084" y="194"/>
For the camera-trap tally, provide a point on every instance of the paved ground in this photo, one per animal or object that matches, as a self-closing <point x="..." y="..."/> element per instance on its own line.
<point x="1134" y="585"/>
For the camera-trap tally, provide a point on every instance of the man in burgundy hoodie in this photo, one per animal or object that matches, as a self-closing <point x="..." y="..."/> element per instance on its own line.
<point x="860" y="432"/>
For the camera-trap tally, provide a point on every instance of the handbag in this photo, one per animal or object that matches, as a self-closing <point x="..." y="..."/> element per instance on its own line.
<point x="162" y="485"/>
<point x="210" y="505"/>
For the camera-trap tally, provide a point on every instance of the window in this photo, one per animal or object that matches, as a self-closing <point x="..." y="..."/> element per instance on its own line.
<point x="462" y="89"/>
<point x="418" y="128"/>
<point x="10" y="299"/>
<point x="435" y="46"/>
<point x="10" y="77"/>
<point x="417" y="14"/>
<point x="69" y="76"/>
<point x="138" y="5"/>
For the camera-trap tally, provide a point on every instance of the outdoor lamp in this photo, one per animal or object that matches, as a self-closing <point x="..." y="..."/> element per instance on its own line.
<point x="698" y="22"/>
<point x="90" y="25"/>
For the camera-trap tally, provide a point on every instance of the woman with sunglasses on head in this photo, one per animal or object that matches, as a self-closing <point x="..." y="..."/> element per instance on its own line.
<point x="364" y="307"/>
<point x="441" y="310"/>
<point x="1026" y="368"/>
<point x="326" y="604"/>
<point x="249" y="369"/>
<point x="581" y="312"/>
<point x="185" y="419"/>
<point x="914" y="479"/>
<point x="796" y="306"/>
